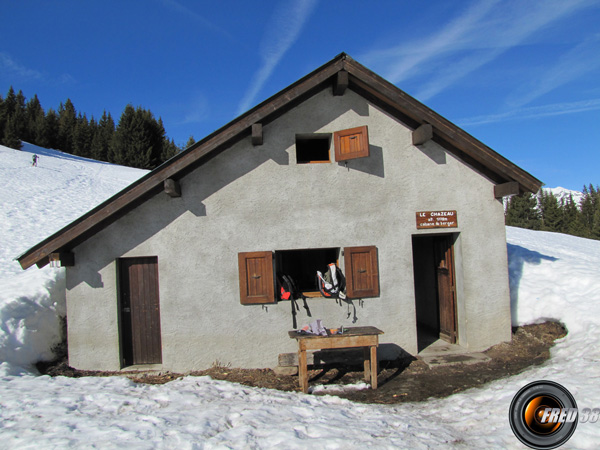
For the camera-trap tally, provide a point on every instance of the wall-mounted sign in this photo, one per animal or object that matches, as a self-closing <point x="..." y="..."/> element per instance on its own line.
<point x="437" y="219"/>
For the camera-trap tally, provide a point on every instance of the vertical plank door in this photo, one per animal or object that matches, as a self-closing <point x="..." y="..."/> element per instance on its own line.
<point x="444" y="259"/>
<point x="140" y="311"/>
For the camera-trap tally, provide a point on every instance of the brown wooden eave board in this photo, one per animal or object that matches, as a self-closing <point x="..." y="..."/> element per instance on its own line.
<point x="387" y="93"/>
<point x="378" y="90"/>
<point x="152" y="183"/>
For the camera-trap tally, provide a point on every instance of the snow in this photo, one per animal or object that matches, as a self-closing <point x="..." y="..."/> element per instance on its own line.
<point x="563" y="194"/>
<point x="551" y="275"/>
<point x="36" y="202"/>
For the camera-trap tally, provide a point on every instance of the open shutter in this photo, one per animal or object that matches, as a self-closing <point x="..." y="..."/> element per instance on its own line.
<point x="256" y="278"/>
<point x="362" y="272"/>
<point x="351" y="144"/>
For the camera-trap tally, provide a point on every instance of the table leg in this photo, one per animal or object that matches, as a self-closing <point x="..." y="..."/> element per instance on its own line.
<point x="367" y="363"/>
<point x="303" y="371"/>
<point x="373" y="367"/>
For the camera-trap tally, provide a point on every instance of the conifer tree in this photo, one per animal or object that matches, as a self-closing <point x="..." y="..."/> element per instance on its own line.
<point x="595" y="231"/>
<point x="138" y="140"/>
<point x="551" y="215"/>
<point x="40" y="132"/>
<point x="571" y="218"/>
<point x="169" y="150"/>
<point x="141" y="141"/>
<point x="9" y="119"/>
<point x="67" y="121"/>
<point x="9" y="105"/>
<point x="82" y="137"/>
<point x="587" y="208"/>
<point x="49" y="130"/>
<point x="19" y="117"/>
<point x="191" y="141"/>
<point x="521" y="212"/>
<point x="33" y="112"/>
<point x="11" y="137"/>
<point x="102" y="137"/>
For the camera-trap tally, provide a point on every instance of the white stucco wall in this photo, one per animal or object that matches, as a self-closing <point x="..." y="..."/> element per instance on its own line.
<point x="257" y="198"/>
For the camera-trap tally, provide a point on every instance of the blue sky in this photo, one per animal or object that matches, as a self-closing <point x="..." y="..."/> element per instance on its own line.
<point x="521" y="76"/>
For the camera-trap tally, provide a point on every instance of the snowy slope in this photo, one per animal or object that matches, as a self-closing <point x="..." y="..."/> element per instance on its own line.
<point x="61" y="188"/>
<point x="552" y="276"/>
<point x="36" y="202"/>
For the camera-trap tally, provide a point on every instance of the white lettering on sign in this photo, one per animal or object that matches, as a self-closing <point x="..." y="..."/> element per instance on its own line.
<point x="437" y="219"/>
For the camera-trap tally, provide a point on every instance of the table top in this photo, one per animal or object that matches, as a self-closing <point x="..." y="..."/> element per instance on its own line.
<point x="348" y="331"/>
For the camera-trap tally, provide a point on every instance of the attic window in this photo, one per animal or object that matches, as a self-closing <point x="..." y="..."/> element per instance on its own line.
<point x="302" y="266"/>
<point x="312" y="148"/>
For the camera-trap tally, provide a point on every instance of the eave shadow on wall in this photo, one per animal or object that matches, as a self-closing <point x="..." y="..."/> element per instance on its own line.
<point x="433" y="152"/>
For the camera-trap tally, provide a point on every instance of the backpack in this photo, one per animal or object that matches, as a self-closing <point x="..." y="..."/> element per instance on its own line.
<point x="332" y="284"/>
<point x="286" y="288"/>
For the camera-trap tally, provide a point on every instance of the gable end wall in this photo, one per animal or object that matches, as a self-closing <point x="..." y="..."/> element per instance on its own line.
<point x="256" y="198"/>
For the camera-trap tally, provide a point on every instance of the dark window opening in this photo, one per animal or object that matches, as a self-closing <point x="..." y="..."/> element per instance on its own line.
<point x="302" y="265"/>
<point x="312" y="148"/>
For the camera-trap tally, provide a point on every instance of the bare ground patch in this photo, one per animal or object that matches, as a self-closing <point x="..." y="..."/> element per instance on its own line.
<point x="403" y="380"/>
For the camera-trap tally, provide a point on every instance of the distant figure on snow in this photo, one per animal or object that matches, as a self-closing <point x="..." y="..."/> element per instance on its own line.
<point x="35" y="160"/>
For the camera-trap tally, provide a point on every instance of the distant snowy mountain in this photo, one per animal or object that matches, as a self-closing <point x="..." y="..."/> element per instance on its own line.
<point x="563" y="194"/>
<point x="559" y="192"/>
<point x="552" y="276"/>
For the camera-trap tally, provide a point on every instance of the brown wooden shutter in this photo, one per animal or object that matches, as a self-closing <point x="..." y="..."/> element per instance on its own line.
<point x="256" y="278"/>
<point x="351" y="144"/>
<point x="362" y="272"/>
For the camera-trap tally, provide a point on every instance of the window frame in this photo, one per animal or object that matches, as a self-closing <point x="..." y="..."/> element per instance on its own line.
<point x="304" y="137"/>
<point x="358" y="285"/>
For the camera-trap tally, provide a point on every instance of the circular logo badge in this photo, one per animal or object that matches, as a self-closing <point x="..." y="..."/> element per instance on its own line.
<point x="543" y="415"/>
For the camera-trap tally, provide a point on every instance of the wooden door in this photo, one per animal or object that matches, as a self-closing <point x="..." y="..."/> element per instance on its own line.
<point x="140" y="311"/>
<point x="444" y="263"/>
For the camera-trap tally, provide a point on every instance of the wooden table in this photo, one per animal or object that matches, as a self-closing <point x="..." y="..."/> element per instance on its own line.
<point x="366" y="337"/>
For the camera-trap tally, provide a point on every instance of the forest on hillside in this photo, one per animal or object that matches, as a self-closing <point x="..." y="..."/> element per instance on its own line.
<point x="138" y="140"/>
<point x="546" y="213"/>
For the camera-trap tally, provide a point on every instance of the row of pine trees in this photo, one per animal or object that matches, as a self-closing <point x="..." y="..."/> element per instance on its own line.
<point x="138" y="140"/>
<point x="545" y="212"/>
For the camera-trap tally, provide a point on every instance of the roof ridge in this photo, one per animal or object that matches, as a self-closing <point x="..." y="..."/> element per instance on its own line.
<point x="364" y="81"/>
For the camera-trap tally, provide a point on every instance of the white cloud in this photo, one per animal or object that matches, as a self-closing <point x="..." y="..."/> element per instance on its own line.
<point x="479" y="35"/>
<point x="504" y="31"/>
<point x="10" y="67"/>
<point x="408" y="60"/>
<point x="282" y="31"/>
<point x="535" y="112"/>
<point x="579" y="61"/>
<point x="176" y="6"/>
<point x="197" y="110"/>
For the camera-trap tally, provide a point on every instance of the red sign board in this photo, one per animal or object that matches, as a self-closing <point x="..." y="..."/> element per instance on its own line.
<point x="437" y="219"/>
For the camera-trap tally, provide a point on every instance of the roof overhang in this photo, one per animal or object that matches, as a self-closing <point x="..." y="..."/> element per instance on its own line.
<point x="360" y="79"/>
